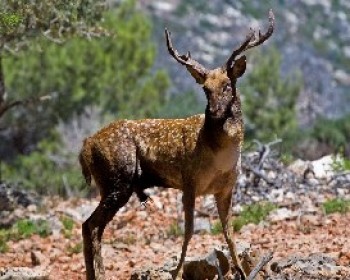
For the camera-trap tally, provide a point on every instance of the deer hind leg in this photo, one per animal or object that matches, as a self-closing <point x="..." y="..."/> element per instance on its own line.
<point x="223" y="202"/>
<point x="93" y="229"/>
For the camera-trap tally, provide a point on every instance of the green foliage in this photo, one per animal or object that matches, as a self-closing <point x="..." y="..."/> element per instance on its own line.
<point x="3" y="240"/>
<point x="340" y="163"/>
<point x="254" y="213"/>
<point x="336" y="205"/>
<point x="22" y="20"/>
<point x="175" y="230"/>
<point x="182" y="105"/>
<point x="76" y="249"/>
<point x="345" y="164"/>
<point x="269" y="99"/>
<point x="112" y="72"/>
<point x="23" y="229"/>
<point x="68" y="225"/>
<point x="335" y="133"/>
<point x="47" y="170"/>
<point x="216" y="228"/>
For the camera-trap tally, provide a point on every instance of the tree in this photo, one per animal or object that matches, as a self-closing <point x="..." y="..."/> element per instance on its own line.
<point x="269" y="99"/>
<point x="22" y="22"/>
<point x="111" y="74"/>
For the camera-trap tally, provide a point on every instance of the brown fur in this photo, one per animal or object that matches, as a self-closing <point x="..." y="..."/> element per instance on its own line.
<point x="199" y="155"/>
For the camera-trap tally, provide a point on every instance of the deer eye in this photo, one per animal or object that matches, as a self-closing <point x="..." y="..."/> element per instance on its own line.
<point x="227" y="87"/>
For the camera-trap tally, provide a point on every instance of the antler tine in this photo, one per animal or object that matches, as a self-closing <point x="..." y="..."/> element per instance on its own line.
<point x="181" y="59"/>
<point x="263" y="37"/>
<point x="248" y="43"/>
<point x="241" y="49"/>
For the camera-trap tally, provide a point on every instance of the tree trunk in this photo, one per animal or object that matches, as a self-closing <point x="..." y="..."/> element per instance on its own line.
<point x="2" y="98"/>
<point x="2" y="85"/>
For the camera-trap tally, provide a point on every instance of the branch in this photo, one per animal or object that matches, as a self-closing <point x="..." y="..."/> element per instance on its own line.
<point x="5" y="107"/>
<point x="258" y="173"/>
<point x="264" y="150"/>
<point x="263" y="261"/>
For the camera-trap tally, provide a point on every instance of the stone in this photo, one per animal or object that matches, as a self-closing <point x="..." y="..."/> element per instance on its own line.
<point x="24" y="273"/>
<point x="282" y="214"/>
<point x="314" y="266"/>
<point x="150" y="274"/>
<point x="207" y="267"/>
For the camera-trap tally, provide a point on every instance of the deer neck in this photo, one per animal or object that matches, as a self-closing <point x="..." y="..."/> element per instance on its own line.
<point x="226" y="130"/>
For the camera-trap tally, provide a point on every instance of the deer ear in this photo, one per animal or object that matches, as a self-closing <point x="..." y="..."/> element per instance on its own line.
<point x="239" y="67"/>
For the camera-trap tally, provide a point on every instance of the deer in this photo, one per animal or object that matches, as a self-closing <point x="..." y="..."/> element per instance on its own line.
<point x="198" y="155"/>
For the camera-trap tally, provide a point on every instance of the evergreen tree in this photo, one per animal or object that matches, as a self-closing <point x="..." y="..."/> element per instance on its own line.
<point x="269" y="99"/>
<point x="113" y="72"/>
<point x="22" y="22"/>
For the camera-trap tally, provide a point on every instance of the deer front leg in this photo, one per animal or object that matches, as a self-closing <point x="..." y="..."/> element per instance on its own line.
<point x="223" y="202"/>
<point x="188" y="200"/>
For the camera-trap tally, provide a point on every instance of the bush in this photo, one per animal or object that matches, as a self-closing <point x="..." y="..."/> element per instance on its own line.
<point x="75" y="249"/>
<point x="254" y="213"/>
<point x="216" y="228"/>
<point x="47" y="171"/>
<point x="175" y="230"/>
<point x="269" y="99"/>
<point x="23" y="229"/>
<point x="113" y="73"/>
<point x="336" y="205"/>
<point x="182" y="105"/>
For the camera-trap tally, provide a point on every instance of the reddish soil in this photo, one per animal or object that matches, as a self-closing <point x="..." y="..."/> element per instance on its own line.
<point x="143" y="236"/>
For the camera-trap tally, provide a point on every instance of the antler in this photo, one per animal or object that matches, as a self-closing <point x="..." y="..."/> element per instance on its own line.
<point x="249" y="43"/>
<point x="197" y="70"/>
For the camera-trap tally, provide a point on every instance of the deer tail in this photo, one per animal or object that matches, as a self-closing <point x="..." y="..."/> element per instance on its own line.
<point x="84" y="157"/>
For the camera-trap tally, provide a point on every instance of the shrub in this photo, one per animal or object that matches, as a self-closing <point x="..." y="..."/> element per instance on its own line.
<point x="175" y="230"/>
<point x="216" y="228"/>
<point x="76" y="249"/>
<point x="254" y="213"/>
<point x="23" y="229"/>
<point x="26" y="228"/>
<point x="336" y="205"/>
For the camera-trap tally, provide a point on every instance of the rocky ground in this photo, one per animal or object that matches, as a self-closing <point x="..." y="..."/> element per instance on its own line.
<point x="297" y="232"/>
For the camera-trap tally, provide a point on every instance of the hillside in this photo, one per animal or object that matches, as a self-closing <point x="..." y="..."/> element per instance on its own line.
<point x="312" y="36"/>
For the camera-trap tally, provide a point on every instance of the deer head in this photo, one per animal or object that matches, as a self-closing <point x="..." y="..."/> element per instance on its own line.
<point x="219" y="84"/>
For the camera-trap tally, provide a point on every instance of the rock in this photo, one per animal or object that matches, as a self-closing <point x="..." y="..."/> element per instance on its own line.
<point x="312" y="220"/>
<point x="197" y="268"/>
<point x="276" y="195"/>
<point x="202" y="225"/>
<point x="298" y="166"/>
<point x="80" y="213"/>
<point x="323" y="167"/>
<point x="11" y="196"/>
<point x="14" y="203"/>
<point x="281" y="214"/>
<point x="207" y="267"/>
<point x="342" y="77"/>
<point x="315" y="266"/>
<point x="150" y="274"/>
<point x="24" y="273"/>
<point x="38" y="258"/>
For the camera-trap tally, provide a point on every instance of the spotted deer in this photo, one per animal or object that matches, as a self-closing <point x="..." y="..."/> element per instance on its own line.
<point x="198" y="155"/>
